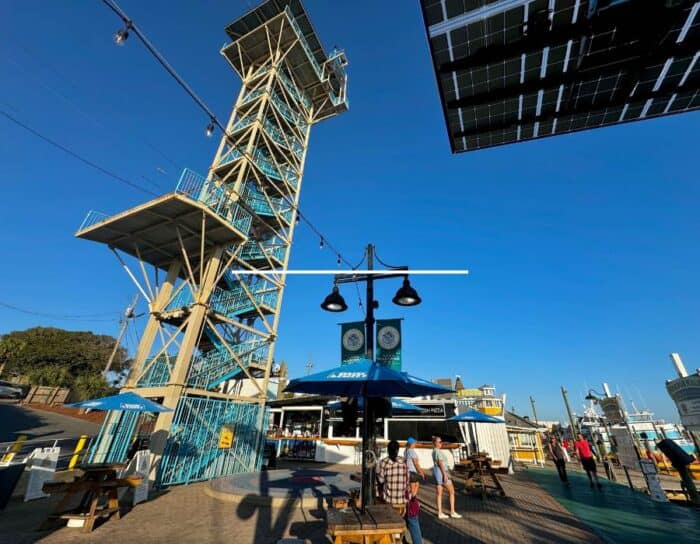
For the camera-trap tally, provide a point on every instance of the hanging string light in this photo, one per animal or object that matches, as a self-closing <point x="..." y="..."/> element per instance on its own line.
<point x="122" y="35"/>
<point x="338" y="260"/>
<point x="322" y="243"/>
<point x="210" y="128"/>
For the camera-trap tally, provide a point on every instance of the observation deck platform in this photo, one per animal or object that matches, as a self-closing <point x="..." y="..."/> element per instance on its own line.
<point x="321" y="76"/>
<point x="150" y="231"/>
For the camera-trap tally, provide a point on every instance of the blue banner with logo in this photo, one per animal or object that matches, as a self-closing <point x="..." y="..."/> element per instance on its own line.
<point x="389" y="343"/>
<point x="352" y="342"/>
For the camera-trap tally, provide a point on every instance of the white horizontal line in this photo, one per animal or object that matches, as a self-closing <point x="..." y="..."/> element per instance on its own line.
<point x="350" y="272"/>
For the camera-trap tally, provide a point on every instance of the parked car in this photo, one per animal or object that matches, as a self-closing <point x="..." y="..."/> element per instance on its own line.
<point x="11" y="390"/>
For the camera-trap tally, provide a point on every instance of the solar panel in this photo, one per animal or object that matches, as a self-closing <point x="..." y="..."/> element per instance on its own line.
<point x="514" y="70"/>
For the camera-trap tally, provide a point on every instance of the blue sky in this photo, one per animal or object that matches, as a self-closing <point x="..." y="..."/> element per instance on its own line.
<point x="582" y="248"/>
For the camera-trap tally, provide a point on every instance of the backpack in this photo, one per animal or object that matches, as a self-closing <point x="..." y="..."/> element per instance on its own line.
<point x="412" y="507"/>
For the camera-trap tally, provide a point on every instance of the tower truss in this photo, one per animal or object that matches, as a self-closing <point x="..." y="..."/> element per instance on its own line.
<point x="207" y="349"/>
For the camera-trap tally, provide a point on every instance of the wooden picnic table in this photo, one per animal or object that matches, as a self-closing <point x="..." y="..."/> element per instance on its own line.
<point x="93" y="484"/>
<point x="380" y="524"/>
<point x="476" y="468"/>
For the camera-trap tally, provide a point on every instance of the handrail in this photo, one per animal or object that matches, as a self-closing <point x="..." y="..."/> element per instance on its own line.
<point x="215" y="197"/>
<point x="92" y="218"/>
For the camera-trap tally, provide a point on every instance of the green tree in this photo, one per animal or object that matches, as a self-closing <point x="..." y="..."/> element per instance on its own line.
<point x="57" y="357"/>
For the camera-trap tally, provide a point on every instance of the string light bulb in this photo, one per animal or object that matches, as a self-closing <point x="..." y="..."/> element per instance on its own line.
<point x="321" y="244"/>
<point x="210" y="128"/>
<point x="122" y="35"/>
<point x="338" y="260"/>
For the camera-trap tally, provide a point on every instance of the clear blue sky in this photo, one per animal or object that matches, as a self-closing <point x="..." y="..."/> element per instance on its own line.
<point x="583" y="248"/>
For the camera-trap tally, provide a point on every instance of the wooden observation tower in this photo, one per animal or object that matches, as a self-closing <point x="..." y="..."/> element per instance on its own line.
<point x="207" y="349"/>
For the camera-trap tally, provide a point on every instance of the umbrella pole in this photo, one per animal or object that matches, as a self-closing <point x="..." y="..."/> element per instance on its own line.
<point x="366" y="481"/>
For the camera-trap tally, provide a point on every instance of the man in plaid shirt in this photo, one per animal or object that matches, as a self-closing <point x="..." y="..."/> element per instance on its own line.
<point x="392" y="475"/>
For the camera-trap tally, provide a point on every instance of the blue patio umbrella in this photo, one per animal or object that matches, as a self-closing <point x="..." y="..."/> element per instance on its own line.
<point x="128" y="402"/>
<point x="365" y="378"/>
<point x="474" y="416"/>
<point x="396" y="404"/>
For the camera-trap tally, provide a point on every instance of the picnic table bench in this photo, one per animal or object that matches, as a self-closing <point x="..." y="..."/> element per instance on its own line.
<point x="475" y="469"/>
<point x="94" y="484"/>
<point x="380" y="524"/>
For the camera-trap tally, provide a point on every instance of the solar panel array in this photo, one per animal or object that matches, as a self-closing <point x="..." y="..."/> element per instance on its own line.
<point x="514" y="70"/>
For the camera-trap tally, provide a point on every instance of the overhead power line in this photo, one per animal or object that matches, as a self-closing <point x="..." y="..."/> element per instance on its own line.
<point x="75" y="155"/>
<point x="91" y="317"/>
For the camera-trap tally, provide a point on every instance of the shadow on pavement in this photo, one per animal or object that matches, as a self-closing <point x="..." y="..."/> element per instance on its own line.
<point x="17" y="420"/>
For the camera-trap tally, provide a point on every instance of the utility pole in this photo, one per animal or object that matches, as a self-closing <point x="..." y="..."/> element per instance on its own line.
<point x="128" y="314"/>
<point x="534" y="412"/>
<point x="574" y="429"/>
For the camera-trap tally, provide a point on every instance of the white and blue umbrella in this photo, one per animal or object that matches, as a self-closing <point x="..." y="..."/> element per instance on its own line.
<point x="365" y="378"/>
<point x="127" y="402"/>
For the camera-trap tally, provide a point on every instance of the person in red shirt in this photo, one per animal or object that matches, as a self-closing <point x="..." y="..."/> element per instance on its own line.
<point x="583" y="450"/>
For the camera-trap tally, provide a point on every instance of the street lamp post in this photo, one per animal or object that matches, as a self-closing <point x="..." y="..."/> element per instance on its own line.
<point x="334" y="302"/>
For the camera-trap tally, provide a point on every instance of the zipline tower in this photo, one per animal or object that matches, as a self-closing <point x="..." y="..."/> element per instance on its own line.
<point x="207" y="349"/>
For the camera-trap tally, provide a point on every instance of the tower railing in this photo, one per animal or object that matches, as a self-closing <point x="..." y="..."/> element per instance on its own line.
<point x="215" y="197"/>
<point x="93" y="218"/>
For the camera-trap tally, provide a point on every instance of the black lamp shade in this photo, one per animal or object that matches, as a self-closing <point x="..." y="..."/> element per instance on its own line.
<point x="334" y="302"/>
<point x="406" y="295"/>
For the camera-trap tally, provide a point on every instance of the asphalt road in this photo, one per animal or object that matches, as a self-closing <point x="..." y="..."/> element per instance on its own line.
<point x="39" y="425"/>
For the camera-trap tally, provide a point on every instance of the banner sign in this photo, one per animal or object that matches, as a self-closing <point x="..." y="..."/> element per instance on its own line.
<point x="352" y="342"/>
<point x="389" y="343"/>
<point x="42" y="466"/>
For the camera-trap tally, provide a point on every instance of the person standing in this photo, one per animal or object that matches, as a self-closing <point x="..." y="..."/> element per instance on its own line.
<point x="442" y="479"/>
<point x="413" y="507"/>
<point x="411" y="456"/>
<point x="392" y="477"/>
<point x="559" y="456"/>
<point x="585" y="455"/>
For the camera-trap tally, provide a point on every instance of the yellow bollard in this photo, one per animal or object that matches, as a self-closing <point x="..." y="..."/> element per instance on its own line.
<point x="76" y="452"/>
<point x="16" y="447"/>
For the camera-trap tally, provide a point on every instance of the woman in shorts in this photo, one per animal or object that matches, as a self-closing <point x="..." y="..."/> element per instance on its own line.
<point x="442" y="479"/>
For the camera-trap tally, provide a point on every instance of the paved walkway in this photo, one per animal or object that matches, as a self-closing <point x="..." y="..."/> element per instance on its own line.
<point x="186" y="514"/>
<point x="619" y="514"/>
<point x="39" y="424"/>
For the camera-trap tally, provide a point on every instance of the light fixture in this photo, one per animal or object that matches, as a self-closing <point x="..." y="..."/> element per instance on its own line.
<point x="334" y="302"/>
<point x="338" y="260"/>
<point x="122" y="35"/>
<point x="210" y="128"/>
<point x="321" y="244"/>
<point x="406" y="295"/>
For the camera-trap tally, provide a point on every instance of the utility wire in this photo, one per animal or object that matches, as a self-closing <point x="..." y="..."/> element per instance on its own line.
<point x="75" y="155"/>
<point x="59" y="316"/>
<point x="131" y="26"/>
<point x="53" y="88"/>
